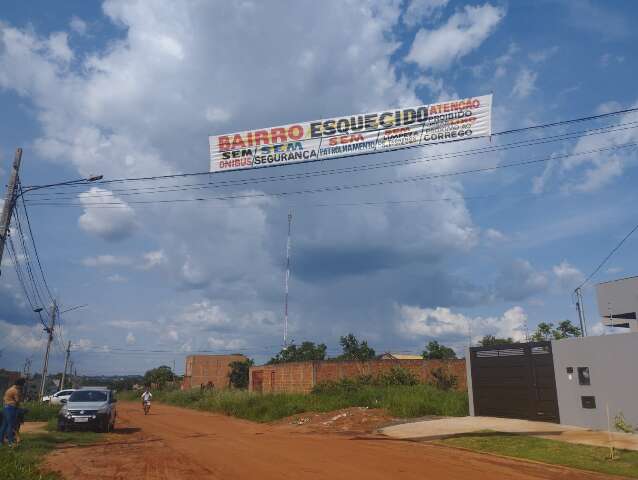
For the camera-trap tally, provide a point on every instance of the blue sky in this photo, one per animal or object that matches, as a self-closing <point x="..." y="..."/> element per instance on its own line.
<point x="129" y="89"/>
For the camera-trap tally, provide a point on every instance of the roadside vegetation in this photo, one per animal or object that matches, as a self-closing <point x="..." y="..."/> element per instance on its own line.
<point x="40" y="412"/>
<point x="23" y="462"/>
<point x="396" y="391"/>
<point x="584" y="457"/>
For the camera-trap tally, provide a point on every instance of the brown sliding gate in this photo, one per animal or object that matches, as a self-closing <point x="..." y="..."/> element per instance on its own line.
<point x="514" y="381"/>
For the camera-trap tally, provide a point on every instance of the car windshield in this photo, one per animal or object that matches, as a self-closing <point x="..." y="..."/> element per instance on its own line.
<point x="88" y="396"/>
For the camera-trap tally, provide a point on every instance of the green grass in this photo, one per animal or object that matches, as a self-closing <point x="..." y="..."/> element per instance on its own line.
<point x="399" y="400"/>
<point x="40" y="412"/>
<point x="23" y="463"/>
<point x="584" y="457"/>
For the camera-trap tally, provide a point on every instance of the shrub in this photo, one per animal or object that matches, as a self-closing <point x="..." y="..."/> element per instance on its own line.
<point x="397" y="376"/>
<point x="40" y="412"/>
<point x="443" y="380"/>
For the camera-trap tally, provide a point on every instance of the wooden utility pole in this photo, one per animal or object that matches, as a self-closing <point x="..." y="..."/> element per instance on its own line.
<point x="66" y="364"/>
<point x="9" y="202"/>
<point x="49" y="330"/>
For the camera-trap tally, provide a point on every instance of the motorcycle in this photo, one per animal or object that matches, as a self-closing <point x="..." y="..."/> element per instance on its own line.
<point x="147" y="407"/>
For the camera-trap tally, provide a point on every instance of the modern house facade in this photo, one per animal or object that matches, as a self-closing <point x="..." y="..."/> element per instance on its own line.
<point x="584" y="381"/>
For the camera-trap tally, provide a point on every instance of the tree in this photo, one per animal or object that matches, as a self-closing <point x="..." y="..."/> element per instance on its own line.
<point x="543" y="332"/>
<point x="491" y="340"/>
<point x="238" y="375"/>
<point x="159" y="376"/>
<point x="436" y="351"/>
<point x="566" y="329"/>
<point x="546" y="331"/>
<point x="355" y="350"/>
<point x="307" y="351"/>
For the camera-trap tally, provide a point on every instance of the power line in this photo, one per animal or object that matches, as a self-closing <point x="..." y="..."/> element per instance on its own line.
<point x="609" y="255"/>
<point x="350" y="169"/>
<point x="35" y="249"/>
<point x="337" y="187"/>
<point x="505" y="132"/>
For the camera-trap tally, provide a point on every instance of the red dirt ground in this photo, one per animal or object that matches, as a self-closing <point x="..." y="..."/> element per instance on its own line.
<point x="180" y="444"/>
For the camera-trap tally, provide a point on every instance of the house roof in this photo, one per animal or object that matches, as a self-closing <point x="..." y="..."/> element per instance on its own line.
<point x="401" y="356"/>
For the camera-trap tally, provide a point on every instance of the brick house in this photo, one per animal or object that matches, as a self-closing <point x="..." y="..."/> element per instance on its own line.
<point x="301" y="377"/>
<point x="209" y="369"/>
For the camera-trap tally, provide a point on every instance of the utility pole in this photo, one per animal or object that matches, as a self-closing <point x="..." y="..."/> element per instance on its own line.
<point x="580" y="309"/>
<point x="9" y="202"/>
<point x="66" y="364"/>
<point x="26" y="371"/>
<point x="286" y="281"/>
<point x="71" y="377"/>
<point x="49" y="330"/>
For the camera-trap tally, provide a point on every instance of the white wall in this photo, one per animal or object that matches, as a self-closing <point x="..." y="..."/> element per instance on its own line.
<point x="613" y="368"/>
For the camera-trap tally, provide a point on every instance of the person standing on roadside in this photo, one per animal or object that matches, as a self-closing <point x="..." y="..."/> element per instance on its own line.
<point x="12" y="399"/>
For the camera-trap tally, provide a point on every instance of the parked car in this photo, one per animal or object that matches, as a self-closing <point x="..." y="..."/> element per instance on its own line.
<point x="56" y="398"/>
<point x="89" y="408"/>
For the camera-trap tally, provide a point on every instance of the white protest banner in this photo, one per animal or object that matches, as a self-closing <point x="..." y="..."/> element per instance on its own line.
<point x="353" y="135"/>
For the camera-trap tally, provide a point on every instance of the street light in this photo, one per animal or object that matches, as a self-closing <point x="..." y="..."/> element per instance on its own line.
<point x="12" y="197"/>
<point x="79" y="181"/>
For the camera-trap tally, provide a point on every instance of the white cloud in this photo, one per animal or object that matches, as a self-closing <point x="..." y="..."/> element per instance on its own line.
<point x="83" y="344"/>
<point x="58" y="45"/>
<point x="153" y="259"/>
<point x="106" y="215"/>
<point x="591" y="169"/>
<point x="519" y="280"/>
<point x="442" y="322"/>
<point x="217" y="115"/>
<point x="494" y="236"/>
<point x="130" y="338"/>
<point x="24" y="338"/>
<point x="463" y="32"/>
<point x="225" y="344"/>
<point x="422" y="10"/>
<point x="613" y="270"/>
<point x="78" y="25"/>
<point x="568" y="276"/>
<point x="130" y="324"/>
<point x="117" y="278"/>
<point x="525" y="83"/>
<point x="541" y="56"/>
<point x="106" y="261"/>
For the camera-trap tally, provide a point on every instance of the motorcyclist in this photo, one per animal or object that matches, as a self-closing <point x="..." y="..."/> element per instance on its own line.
<point x="146" y="397"/>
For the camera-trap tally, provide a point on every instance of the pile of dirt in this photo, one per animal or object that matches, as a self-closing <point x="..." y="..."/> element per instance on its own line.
<point x="353" y="420"/>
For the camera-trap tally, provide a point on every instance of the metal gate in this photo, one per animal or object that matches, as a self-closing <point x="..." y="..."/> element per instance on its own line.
<point x="515" y="381"/>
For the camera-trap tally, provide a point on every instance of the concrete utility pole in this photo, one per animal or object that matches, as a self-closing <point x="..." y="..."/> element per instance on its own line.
<point x="9" y="202"/>
<point x="580" y="309"/>
<point x="27" y="373"/>
<point x="66" y="364"/>
<point x="49" y="330"/>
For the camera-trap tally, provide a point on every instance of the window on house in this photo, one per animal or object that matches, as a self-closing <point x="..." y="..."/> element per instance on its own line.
<point x="583" y="376"/>
<point x="588" y="402"/>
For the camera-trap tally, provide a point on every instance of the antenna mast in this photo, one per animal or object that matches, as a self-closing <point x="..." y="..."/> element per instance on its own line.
<point x="286" y="280"/>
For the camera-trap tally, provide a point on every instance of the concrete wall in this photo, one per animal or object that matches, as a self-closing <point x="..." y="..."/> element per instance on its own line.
<point x="613" y="369"/>
<point x="201" y="369"/>
<point x="300" y="377"/>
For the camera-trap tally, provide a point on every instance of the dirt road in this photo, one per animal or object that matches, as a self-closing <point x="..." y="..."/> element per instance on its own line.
<point x="179" y="444"/>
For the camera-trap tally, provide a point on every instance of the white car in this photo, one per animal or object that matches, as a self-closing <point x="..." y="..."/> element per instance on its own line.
<point x="56" y="398"/>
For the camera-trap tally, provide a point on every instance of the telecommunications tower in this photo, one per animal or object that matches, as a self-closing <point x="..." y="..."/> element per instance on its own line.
<point x="286" y="281"/>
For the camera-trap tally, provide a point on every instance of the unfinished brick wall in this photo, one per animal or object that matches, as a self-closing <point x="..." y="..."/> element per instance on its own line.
<point x="201" y="369"/>
<point x="300" y="377"/>
<point x="293" y="377"/>
<point x="422" y="369"/>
